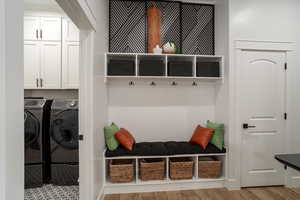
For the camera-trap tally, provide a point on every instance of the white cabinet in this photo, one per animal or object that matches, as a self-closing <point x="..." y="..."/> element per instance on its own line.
<point x="31" y="28"/>
<point x="50" y="29"/>
<point x="42" y="52"/>
<point x="50" y="65"/>
<point x="42" y="65"/>
<point x="70" y="55"/>
<point x="51" y="53"/>
<point x="31" y="64"/>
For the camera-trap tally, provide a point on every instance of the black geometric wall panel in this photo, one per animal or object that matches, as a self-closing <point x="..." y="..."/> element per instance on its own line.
<point x="190" y="26"/>
<point x="197" y="29"/>
<point x="127" y="30"/>
<point x="170" y="21"/>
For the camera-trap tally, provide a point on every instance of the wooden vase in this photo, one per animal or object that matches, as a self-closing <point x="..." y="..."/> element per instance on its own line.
<point x="154" y="17"/>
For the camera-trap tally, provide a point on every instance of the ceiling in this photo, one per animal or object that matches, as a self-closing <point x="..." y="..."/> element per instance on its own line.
<point x="42" y="3"/>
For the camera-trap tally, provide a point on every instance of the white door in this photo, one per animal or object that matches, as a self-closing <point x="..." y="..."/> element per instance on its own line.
<point x="50" y="29"/>
<point x="31" y="64"/>
<point x="70" y="66"/>
<point x="262" y="97"/>
<point x="31" y="28"/>
<point x="50" y="65"/>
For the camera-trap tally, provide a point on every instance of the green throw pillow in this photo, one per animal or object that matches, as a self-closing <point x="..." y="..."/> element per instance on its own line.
<point x="218" y="137"/>
<point x="109" y="134"/>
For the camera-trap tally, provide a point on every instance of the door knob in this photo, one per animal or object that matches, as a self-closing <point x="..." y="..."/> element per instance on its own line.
<point x="246" y="126"/>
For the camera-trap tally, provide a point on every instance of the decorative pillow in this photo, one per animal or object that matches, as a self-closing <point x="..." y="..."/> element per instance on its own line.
<point x="202" y="136"/>
<point x="218" y="137"/>
<point x="125" y="138"/>
<point x="109" y="134"/>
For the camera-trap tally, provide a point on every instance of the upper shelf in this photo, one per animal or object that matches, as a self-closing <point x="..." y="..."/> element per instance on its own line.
<point x="164" y="66"/>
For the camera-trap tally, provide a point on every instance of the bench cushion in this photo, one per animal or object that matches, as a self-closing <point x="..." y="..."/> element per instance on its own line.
<point x="141" y="149"/>
<point x="163" y="149"/>
<point x="180" y="148"/>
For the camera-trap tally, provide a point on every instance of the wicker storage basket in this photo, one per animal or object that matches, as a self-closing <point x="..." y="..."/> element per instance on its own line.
<point x="121" y="171"/>
<point x="209" y="167"/>
<point x="152" y="169"/>
<point x="181" y="168"/>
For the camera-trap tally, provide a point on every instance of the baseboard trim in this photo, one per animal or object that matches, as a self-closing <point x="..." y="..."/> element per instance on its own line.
<point x="162" y="187"/>
<point x="232" y="184"/>
<point x="101" y="194"/>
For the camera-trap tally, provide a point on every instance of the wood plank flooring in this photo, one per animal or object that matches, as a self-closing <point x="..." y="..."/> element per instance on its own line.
<point x="264" y="193"/>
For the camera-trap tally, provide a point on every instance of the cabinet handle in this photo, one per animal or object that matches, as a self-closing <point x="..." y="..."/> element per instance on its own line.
<point x="37" y="82"/>
<point x="41" y="34"/>
<point x="37" y="34"/>
<point x="41" y="82"/>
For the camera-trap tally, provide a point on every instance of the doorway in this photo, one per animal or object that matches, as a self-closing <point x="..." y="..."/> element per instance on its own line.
<point x="261" y="115"/>
<point x="52" y="47"/>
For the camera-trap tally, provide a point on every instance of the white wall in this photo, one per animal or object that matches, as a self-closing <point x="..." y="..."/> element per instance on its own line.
<point x="100" y="9"/>
<point x="11" y="100"/>
<point x="268" y="20"/>
<point x="162" y="112"/>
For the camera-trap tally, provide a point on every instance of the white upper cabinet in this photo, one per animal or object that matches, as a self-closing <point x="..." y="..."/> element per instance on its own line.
<point x="50" y="29"/>
<point x="31" y="28"/>
<point x="50" y="65"/>
<point x="70" y="55"/>
<point x="42" y="52"/>
<point x="51" y="53"/>
<point x="71" y="32"/>
<point x="31" y="64"/>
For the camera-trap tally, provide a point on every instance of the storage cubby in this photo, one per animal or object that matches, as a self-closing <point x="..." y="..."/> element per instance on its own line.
<point x="121" y="65"/>
<point x="208" y="67"/>
<point x="181" y="168"/>
<point x="181" y="66"/>
<point x="164" y="66"/>
<point x="185" y="166"/>
<point x="152" y="169"/>
<point x="151" y="65"/>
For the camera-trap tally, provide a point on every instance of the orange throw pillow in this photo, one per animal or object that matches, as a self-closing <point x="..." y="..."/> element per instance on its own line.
<point x="125" y="138"/>
<point x="202" y="136"/>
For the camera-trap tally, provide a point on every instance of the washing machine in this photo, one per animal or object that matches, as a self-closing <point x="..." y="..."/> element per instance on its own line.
<point x="64" y="139"/>
<point x="33" y="135"/>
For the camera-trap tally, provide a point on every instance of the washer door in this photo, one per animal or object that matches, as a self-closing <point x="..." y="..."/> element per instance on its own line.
<point x="65" y="129"/>
<point x="32" y="138"/>
<point x="32" y="130"/>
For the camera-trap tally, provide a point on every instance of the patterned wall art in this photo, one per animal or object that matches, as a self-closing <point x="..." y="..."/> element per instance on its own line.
<point x="127" y="30"/>
<point x="197" y="29"/>
<point x="170" y="22"/>
<point x="189" y="26"/>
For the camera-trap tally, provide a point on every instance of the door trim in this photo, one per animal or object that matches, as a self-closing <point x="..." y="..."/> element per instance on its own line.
<point x="264" y="45"/>
<point x="235" y="122"/>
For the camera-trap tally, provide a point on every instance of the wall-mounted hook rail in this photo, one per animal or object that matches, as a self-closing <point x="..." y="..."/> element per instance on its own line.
<point x="174" y="83"/>
<point x="153" y="83"/>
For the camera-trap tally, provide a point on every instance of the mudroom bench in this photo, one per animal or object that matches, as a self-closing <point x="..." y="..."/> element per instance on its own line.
<point x="152" y="165"/>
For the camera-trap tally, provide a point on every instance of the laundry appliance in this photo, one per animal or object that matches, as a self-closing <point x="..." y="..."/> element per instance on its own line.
<point x="64" y="136"/>
<point x="33" y="136"/>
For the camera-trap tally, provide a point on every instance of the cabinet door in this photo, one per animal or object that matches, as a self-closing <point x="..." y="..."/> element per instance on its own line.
<point x="70" y="67"/>
<point x="50" y="65"/>
<point x="50" y="29"/>
<point x="31" y="64"/>
<point x="70" y="31"/>
<point x="31" y="28"/>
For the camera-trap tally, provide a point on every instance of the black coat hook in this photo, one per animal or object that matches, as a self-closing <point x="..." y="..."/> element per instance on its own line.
<point x="194" y="83"/>
<point x="131" y="83"/>
<point x="153" y="83"/>
<point x="174" y="83"/>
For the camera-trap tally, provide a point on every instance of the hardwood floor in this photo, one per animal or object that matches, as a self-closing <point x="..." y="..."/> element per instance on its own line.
<point x="264" y="193"/>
